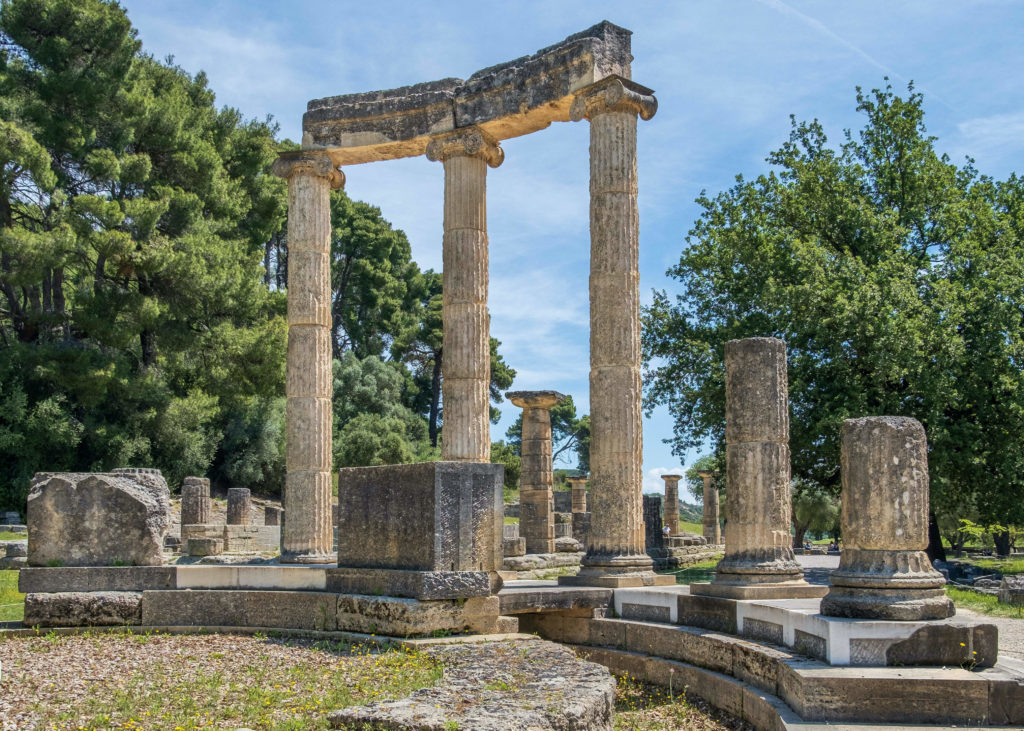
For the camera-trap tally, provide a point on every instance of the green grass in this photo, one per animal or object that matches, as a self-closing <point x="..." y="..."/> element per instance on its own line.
<point x="700" y="571"/>
<point x="1004" y="565"/>
<point x="642" y="706"/>
<point x="12" y="602"/>
<point x="511" y="521"/>
<point x="982" y="603"/>
<point x="6" y="535"/>
<point x="689" y="527"/>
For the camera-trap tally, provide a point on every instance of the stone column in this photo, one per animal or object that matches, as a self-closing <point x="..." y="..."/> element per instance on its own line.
<point x="759" y="561"/>
<point x="536" y="499"/>
<point x="712" y="524"/>
<point x="311" y="175"/>
<point x="615" y="545"/>
<point x="579" y="493"/>
<point x="883" y="571"/>
<point x="672" y="502"/>
<point x="239" y="506"/>
<point x="466" y="363"/>
<point x="195" y="501"/>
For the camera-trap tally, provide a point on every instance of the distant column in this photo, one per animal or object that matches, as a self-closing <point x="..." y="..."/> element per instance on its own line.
<point x="672" y="502"/>
<point x="466" y="361"/>
<point x="311" y="175"/>
<point x="272" y="515"/>
<point x="883" y="571"/>
<point x="536" y="499"/>
<point x="759" y="561"/>
<point x="712" y="523"/>
<point x="239" y="506"/>
<point x="579" y="493"/>
<point x="195" y="501"/>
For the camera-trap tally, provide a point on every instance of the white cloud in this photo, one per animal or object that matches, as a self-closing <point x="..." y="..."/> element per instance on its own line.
<point x="999" y="131"/>
<point x="652" y="478"/>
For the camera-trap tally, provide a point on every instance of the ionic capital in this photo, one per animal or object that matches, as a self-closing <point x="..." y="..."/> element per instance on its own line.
<point x="613" y="94"/>
<point x="308" y="162"/>
<point x="468" y="141"/>
<point x="535" y="399"/>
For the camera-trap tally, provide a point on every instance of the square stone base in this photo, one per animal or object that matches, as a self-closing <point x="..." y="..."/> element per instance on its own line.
<point x="782" y="590"/>
<point x="612" y="581"/>
<point x="426" y="585"/>
<point x="401" y="617"/>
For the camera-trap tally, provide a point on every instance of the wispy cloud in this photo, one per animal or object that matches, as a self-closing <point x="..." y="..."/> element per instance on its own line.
<point x="999" y="131"/>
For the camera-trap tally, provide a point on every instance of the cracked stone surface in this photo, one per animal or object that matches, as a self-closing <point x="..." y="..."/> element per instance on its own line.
<point x="527" y="684"/>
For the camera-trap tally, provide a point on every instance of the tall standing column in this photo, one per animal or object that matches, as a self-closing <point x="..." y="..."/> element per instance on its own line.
<point x="672" y="503"/>
<point x="712" y="524"/>
<point x="466" y="355"/>
<point x="759" y="561"/>
<point x="536" y="498"/>
<point x="311" y="175"/>
<point x="615" y="545"/>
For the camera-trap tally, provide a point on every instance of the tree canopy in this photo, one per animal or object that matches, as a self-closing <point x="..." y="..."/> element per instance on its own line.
<point x="893" y="275"/>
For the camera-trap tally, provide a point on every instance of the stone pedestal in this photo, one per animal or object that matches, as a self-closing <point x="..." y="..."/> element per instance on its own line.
<point x="427" y="531"/>
<point x="536" y="501"/>
<point x="579" y="493"/>
<point x="759" y="561"/>
<point x="883" y="571"/>
<point x="239" y="506"/>
<point x="672" y="503"/>
<point x="711" y="522"/>
<point x="466" y="365"/>
<point x="311" y="175"/>
<point x="615" y="545"/>
<point x="195" y="501"/>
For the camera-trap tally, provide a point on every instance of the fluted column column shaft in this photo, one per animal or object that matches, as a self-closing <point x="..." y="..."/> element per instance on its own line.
<point x="579" y="494"/>
<point x="672" y="502"/>
<point x="466" y="359"/>
<point x="712" y="524"/>
<point x="536" y="498"/>
<point x="307" y="536"/>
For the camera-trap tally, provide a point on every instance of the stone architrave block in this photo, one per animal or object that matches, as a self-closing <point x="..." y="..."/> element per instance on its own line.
<point x="83" y="609"/>
<point x="432" y="516"/>
<point x="96" y="519"/>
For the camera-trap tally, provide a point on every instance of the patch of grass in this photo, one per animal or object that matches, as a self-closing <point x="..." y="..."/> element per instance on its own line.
<point x="983" y="603"/>
<point x="700" y="571"/>
<point x="242" y="690"/>
<point x="649" y="707"/>
<point x="1007" y="566"/>
<point x="12" y="602"/>
<point x="511" y="521"/>
<point x="6" y="535"/>
<point x="689" y="527"/>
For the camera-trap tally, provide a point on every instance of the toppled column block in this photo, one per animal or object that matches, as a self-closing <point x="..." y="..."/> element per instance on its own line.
<point x="239" y="506"/>
<point x="96" y="519"/>
<point x="883" y="571"/>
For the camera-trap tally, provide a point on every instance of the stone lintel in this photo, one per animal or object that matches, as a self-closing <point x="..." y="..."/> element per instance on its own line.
<point x="425" y="585"/>
<point x="535" y="399"/>
<point x="507" y="100"/>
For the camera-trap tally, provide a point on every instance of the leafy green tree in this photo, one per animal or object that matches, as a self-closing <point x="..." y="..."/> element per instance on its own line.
<point x="506" y="454"/>
<point x="707" y="463"/>
<point x="815" y="510"/>
<point x="894" y="277"/>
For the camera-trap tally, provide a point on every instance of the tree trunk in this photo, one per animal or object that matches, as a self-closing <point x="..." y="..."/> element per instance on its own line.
<point x="799" y="531"/>
<point x="1002" y="540"/>
<point x="935" y="550"/>
<point x="435" y="398"/>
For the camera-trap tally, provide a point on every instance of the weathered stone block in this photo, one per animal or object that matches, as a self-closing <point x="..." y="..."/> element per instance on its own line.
<point x="195" y="501"/>
<point x="272" y="515"/>
<point x="96" y="578"/>
<point x="83" y="609"/>
<point x="409" y="617"/>
<point x="239" y="506"/>
<point x="95" y="519"/>
<point x="514" y="547"/>
<point x="433" y="516"/>
<point x="311" y="610"/>
<point x="1011" y="590"/>
<point x="204" y="546"/>
<point x="426" y="585"/>
<point x="973" y="646"/>
<point x="708" y="612"/>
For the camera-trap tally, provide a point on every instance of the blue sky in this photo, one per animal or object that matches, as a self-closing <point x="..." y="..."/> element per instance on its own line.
<point x="727" y="76"/>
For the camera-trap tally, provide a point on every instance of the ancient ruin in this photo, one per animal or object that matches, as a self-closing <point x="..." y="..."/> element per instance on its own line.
<point x="759" y="560"/>
<point x="883" y="570"/>
<point x="672" y="502"/>
<point x="711" y="522"/>
<point x="536" y="501"/>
